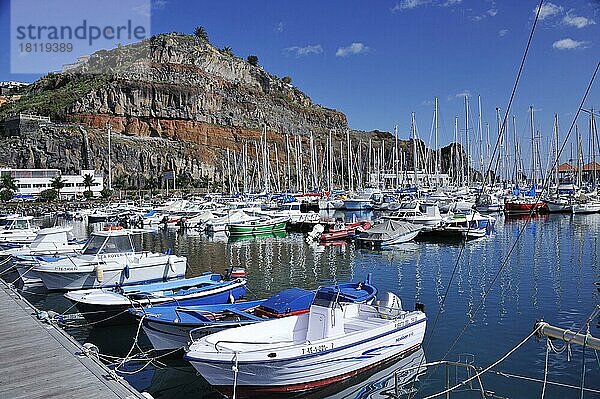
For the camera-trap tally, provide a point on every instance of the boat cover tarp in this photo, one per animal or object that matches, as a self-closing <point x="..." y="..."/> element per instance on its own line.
<point x="287" y="301"/>
<point x="389" y="229"/>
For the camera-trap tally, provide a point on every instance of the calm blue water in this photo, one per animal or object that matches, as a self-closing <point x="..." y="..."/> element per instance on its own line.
<point x="549" y="276"/>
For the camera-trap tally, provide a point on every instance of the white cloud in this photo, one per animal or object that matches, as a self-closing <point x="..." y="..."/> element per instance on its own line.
<point x="502" y="32"/>
<point x="159" y="4"/>
<point x="548" y="10"/>
<point x="354" y="48"/>
<point x="279" y="27"/>
<point x="409" y="4"/>
<point x="577" y="21"/>
<point x="568" y="44"/>
<point x="298" y="51"/>
<point x="463" y="94"/>
<point x="492" y="12"/>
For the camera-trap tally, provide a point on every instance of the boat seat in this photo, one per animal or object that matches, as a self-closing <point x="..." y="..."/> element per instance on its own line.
<point x="356" y="324"/>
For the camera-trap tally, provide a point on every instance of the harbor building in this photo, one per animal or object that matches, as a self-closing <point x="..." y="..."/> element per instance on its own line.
<point x="31" y="182"/>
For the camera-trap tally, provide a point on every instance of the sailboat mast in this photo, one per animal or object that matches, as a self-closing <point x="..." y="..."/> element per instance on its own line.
<point x="467" y="143"/>
<point x="436" y="152"/>
<point x="414" y="137"/>
<point x="533" y="159"/>
<point x="593" y="133"/>
<point x="396" y="154"/>
<point x="556" y="149"/>
<point x="349" y="153"/>
<point x="480" y="128"/>
<point x="109" y="128"/>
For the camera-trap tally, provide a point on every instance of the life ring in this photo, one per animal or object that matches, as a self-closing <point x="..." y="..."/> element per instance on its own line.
<point x="108" y="228"/>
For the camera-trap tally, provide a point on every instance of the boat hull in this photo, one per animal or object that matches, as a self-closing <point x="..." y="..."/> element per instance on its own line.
<point x="242" y="230"/>
<point x="354" y="205"/>
<point x="330" y="364"/>
<point x="522" y="208"/>
<point x="119" y="314"/>
<point x="87" y="277"/>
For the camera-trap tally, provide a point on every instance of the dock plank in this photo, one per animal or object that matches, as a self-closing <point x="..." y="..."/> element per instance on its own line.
<point x="42" y="361"/>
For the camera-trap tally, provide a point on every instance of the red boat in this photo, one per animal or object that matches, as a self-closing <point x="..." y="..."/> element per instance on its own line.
<point x="344" y="231"/>
<point x="523" y="206"/>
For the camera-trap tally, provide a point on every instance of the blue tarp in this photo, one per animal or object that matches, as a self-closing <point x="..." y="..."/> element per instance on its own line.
<point x="525" y="192"/>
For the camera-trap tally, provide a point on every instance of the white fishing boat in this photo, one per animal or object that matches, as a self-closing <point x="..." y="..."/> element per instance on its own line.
<point x="327" y="345"/>
<point x="108" y="259"/>
<point x="16" y="229"/>
<point x="389" y="232"/>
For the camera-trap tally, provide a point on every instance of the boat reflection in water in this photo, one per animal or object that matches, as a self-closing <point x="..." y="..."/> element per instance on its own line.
<point x="174" y="381"/>
<point x="392" y="380"/>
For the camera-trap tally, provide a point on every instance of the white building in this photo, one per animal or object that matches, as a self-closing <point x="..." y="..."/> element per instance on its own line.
<point x="31" y="182"/>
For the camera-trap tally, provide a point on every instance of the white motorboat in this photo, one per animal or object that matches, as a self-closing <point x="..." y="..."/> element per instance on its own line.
<point x="53" y="241"/>
<point x="427" y="215"/>
<point x="220" y="223"/>
<point x="590" y="206"/>
<point x="199" y="220"/>
<point x="49" y="241"/>
<point x="488" y="203"/>
<point x="389" y="232"/>
<point x="17" y="230"/>
<point x="331" y="343"/>
<point x="108" y="259"/>
<point x="468" y="223"/>
<point x="328" y="203"/>
<point x="559" y="204"/>
<point x="292" y="211"/>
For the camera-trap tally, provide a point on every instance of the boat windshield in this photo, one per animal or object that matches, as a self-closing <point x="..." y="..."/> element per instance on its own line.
<point x="20" y="224"/>
<point x="117" y="244"/>
<point x="93" y="245"/>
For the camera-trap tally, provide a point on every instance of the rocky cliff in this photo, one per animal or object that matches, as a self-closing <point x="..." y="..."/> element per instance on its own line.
<point x="175" y="102"/>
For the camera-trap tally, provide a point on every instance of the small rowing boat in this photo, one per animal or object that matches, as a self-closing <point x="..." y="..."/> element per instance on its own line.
<point x="101" y="304"/>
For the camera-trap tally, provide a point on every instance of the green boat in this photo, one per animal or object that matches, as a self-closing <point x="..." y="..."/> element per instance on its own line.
<point x="272" y="225"/>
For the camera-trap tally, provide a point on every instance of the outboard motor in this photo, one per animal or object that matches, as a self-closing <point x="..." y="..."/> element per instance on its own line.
<point x="390" y="306"/>
<point x="315" y="233"/>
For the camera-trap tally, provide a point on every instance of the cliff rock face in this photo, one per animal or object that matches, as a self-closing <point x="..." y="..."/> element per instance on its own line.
<point x="175" y="100"/>
<point x="178" y="82"/>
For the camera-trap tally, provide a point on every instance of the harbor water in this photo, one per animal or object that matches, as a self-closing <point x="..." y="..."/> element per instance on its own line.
<point x="545" y="269"/>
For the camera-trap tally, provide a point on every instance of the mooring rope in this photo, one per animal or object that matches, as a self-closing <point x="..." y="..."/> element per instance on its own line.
<point x="485" y="370"/>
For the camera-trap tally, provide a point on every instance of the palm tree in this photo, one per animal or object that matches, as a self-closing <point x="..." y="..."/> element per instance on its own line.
<point x="88" y="182"/>
<point x="120" y="184"/>
<point x="252" y="60"/>
<point x="58" y="184"/>
<point x="227" y="50"/>
<point x="200" y="32"/>
<point x="151" y="184"/>
<point x="8" y="182"/>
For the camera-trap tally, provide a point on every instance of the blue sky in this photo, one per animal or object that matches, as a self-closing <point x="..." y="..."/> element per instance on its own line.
<point x="378" y="61"/>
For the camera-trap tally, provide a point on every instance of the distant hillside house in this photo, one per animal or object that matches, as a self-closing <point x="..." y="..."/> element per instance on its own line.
<point x="31" y="182"/>
<point x="567" y="171"/>
<point x="22" y="123"/>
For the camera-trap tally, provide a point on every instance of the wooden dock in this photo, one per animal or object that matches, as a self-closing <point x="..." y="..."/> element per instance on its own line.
<point x="39" y="360"/>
